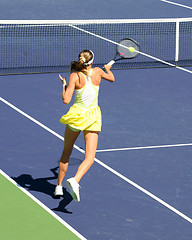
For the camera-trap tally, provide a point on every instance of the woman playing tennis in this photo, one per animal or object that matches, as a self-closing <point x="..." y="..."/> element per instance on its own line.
<point x="84" y="115"/>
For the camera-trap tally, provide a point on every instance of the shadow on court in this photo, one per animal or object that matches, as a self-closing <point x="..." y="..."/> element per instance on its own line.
<point x="44" y="186"/>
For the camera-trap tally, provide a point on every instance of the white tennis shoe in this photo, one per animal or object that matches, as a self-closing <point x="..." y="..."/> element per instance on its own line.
<point x="58" y="191"/>
<point x="73" y="185"/>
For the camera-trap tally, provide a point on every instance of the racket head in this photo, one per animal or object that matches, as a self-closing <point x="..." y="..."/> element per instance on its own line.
<point x="123" y="51"/>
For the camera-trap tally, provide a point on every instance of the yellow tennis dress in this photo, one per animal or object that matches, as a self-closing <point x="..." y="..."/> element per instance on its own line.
<point x="85" y="114"/>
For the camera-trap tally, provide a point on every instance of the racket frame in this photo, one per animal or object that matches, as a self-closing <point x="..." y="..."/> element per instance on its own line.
<point x="119" y="57"/>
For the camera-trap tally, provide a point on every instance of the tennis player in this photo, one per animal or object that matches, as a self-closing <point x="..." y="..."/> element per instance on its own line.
<point x="84" y="115"/>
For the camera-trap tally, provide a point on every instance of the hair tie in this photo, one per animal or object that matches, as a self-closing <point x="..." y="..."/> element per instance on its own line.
<point x="82" y="59"/>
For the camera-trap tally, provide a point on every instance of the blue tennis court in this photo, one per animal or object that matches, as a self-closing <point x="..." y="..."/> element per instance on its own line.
<point x="140" y="184"/>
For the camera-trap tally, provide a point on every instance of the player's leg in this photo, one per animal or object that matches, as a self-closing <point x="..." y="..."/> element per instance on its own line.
<point x="91" y="140"/>
<point x="69" y="140"/>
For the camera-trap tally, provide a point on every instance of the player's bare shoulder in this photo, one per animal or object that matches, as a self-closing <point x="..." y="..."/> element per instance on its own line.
<point x="74" y="76"/>
<point x="97" y="70"/>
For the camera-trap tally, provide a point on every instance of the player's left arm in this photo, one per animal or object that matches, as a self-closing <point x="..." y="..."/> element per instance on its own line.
<point x="68" y="90"/>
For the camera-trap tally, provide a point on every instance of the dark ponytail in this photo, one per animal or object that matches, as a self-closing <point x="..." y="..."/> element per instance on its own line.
<point x="77" y="66"/>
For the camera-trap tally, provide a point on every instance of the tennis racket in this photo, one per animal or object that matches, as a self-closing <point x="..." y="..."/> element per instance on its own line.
<point x="126" y="49"/>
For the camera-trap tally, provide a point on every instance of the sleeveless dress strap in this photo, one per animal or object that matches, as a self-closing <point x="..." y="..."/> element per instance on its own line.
<point x="89" y="76"/>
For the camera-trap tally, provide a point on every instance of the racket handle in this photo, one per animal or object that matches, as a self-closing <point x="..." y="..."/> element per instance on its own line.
<point x="111" y="62"/>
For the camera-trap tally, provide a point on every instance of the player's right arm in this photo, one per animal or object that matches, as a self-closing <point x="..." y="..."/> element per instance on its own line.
<point x="107" y="74"/>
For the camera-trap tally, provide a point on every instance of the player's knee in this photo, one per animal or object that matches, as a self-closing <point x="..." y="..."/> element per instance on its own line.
<point x="90" y="159"/>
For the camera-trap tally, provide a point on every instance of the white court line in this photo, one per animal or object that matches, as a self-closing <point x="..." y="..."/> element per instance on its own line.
<point x="104" y="165"/>
<point x="146" y="147"/>
<point x="43" y="206"/>
<point x="178" y="4"/>
<point x="142" y="53"/>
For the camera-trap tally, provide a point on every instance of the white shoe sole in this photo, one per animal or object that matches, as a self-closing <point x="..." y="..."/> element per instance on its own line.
<point x="73" y="194"/>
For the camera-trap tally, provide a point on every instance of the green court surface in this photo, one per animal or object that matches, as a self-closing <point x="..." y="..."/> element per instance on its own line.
<point x="22" y="218"/>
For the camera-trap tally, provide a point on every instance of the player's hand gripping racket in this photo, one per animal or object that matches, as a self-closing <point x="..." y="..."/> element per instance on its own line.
<point x="126" y="49"/>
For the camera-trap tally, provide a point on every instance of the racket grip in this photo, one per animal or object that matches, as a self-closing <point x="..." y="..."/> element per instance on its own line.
<point x="111" y="62"/>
